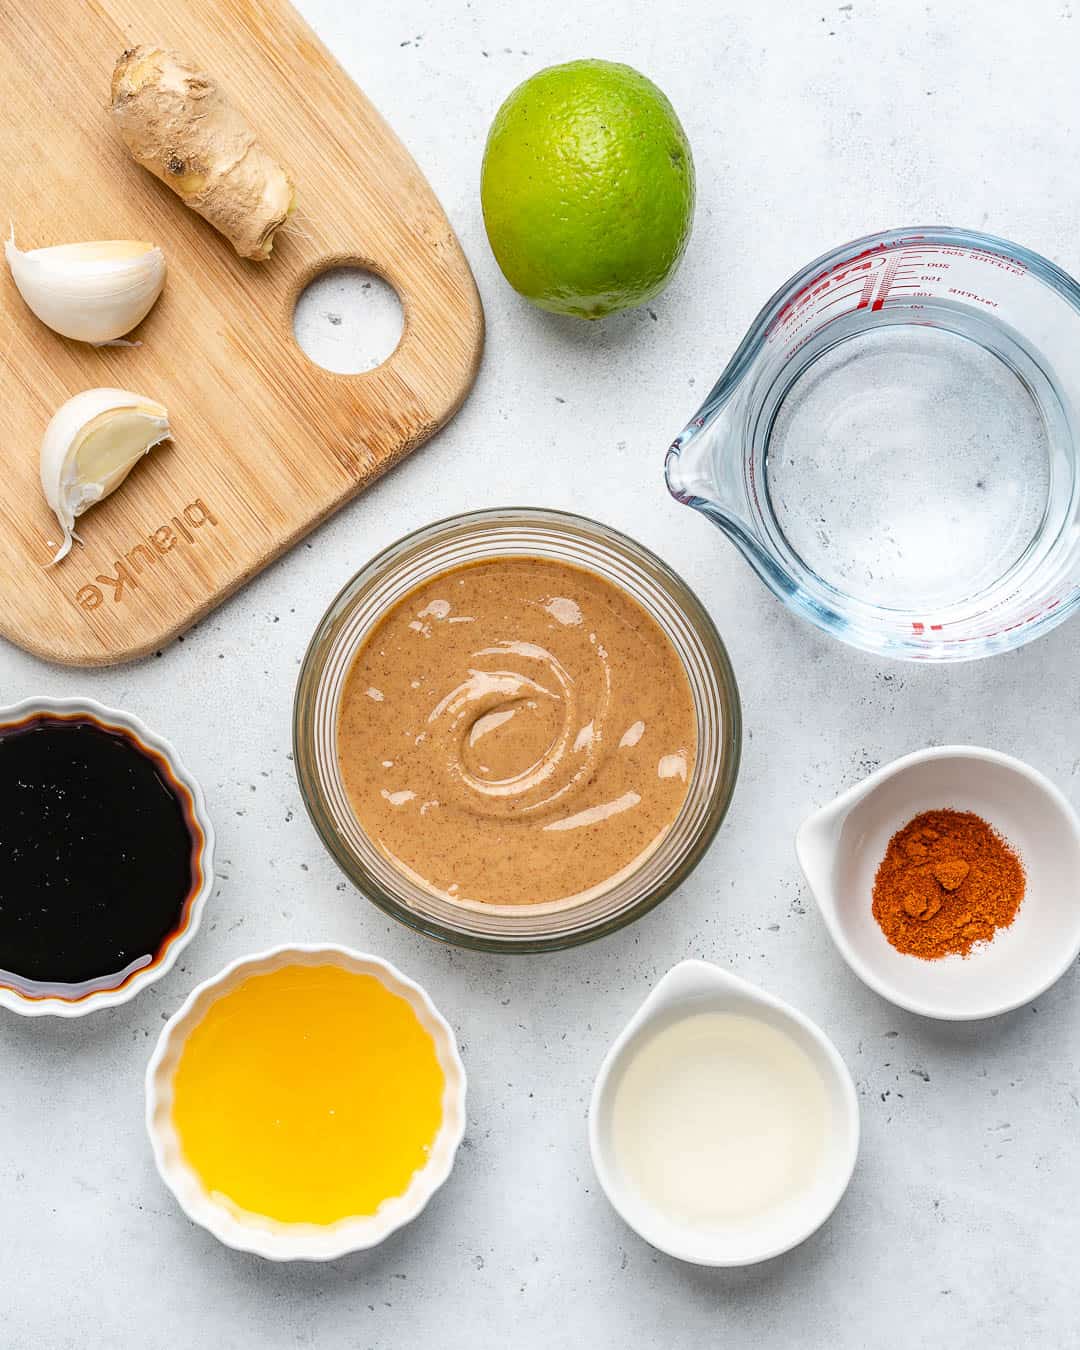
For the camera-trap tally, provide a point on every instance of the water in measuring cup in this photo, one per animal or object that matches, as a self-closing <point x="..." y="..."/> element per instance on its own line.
<point x="908" y="466"/>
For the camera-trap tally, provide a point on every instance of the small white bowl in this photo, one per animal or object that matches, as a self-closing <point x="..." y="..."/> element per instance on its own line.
<point x="31" y="999"/>
<point x="300" y="1241"/>
<point x="693" y="987"/>
<point x="841" y="846"/>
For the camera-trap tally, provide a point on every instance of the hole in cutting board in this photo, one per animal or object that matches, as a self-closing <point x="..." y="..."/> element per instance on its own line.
<point x="348" y="320"/>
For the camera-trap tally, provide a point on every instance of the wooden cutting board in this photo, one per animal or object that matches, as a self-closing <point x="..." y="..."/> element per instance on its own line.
<point x="265" y="443"/>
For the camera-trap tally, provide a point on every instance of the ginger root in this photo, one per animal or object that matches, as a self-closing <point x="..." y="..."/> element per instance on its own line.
<point x="177" y="122"/>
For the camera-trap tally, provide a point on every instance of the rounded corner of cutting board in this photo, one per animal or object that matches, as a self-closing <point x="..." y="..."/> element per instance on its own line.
<point x="266" y="434"/>
<point x="63" y="648"/>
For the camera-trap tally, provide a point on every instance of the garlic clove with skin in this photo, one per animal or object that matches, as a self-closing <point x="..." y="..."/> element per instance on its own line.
<point x="93" y="292"/>
<point x="91" y="445"/>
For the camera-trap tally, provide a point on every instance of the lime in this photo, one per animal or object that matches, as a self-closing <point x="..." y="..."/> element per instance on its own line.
<point x="587" y="188"/>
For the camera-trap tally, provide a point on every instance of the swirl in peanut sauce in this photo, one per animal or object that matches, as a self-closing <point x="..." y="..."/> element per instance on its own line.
<point x="516" y="731"/>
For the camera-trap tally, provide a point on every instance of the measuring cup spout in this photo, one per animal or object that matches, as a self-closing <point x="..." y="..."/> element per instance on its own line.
<point x="706" y="468"/>
<point x="703" y="462"/>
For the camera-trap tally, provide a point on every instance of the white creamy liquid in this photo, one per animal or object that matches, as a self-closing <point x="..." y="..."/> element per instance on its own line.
<point x="718" y="1119"/>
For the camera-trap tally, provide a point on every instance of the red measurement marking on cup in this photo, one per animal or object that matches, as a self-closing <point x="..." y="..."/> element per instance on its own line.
<point x="812" y="290"/>
<point x="867" y="291"/>
<point x="919" y="628"/>
<point x="888" y="276"/>
<point x="848" y="295"/>
<point x="974" y="296"/>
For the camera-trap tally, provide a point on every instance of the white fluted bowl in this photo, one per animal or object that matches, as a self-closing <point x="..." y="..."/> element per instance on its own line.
<point x="300" y="1241"/>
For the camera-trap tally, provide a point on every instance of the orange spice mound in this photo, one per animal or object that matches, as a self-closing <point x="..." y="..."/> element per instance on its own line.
<point x="948" y="880"/>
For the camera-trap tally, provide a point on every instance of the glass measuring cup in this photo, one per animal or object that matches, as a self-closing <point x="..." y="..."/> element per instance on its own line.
<point x="892" y="446"/>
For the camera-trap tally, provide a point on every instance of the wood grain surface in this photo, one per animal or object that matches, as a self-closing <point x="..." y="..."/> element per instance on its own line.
<point x="265" y="443"/>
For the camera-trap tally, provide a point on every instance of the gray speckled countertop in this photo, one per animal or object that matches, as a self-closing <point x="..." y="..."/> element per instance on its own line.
<point x="810" y="125"/>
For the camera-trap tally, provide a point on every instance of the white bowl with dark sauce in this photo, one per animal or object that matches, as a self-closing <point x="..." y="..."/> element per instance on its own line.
<point x="106" y="861"/>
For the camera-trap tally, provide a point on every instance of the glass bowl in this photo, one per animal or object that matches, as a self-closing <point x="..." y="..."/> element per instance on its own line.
<point x="502" y="533"/>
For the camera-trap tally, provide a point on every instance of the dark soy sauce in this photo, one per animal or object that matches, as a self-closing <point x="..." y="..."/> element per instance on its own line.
<point x="99" y="853"/>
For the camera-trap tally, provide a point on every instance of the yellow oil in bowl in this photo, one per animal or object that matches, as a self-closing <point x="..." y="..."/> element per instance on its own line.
<point x="308" y="1094"/>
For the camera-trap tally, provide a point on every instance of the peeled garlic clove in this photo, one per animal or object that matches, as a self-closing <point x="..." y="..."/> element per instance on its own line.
<point x="91" y="292"/>
<point x="91" y="445"/>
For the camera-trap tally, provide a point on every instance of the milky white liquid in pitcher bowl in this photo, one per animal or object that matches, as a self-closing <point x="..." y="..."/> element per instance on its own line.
<point x="719" y="1118"/>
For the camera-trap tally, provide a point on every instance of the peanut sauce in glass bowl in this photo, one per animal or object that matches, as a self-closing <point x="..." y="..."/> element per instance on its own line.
<point x="516" y="731"/>
<point x="561" y="694"/>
